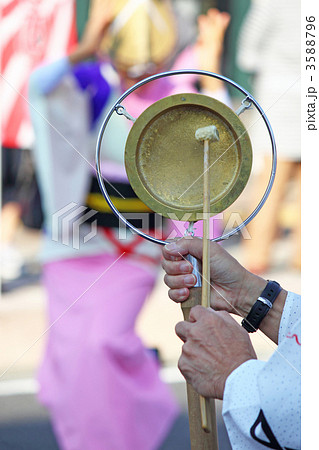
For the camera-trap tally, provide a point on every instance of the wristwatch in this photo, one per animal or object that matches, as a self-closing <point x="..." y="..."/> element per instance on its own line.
<point x="263" y="304"/>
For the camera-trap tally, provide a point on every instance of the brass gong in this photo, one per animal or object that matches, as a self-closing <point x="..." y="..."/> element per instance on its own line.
<point x="164" y="161"/>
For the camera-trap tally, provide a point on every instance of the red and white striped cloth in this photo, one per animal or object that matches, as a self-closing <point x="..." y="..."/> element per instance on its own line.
<point x="32" y="31"/>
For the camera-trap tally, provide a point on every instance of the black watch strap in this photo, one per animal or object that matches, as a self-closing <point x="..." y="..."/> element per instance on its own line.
<point x="263" y="304"/>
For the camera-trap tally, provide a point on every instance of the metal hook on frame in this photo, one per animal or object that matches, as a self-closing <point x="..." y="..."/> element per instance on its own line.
<point x="121" y="111"/>
<point x="245" y="104"/>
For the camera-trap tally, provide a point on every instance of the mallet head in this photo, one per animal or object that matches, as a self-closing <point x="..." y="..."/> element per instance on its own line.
<point x="209" y="133"/>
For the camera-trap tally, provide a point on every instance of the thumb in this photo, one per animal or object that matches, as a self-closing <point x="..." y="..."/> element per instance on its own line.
<point x="182" y="247"/>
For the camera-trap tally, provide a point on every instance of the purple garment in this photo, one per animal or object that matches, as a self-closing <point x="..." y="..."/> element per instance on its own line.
<point x="90" y="79"/>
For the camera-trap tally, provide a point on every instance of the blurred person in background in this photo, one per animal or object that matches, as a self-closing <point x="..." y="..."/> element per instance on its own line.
<point x="20" y="205"/>
<point x="269" y="48"/>
<point x="30" y="32"/>
<point x="11" y="258"/>
<point x="100" y="384"/>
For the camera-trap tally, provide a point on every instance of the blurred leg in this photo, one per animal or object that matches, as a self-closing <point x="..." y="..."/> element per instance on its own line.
<point x="263" y="227"/>
<point x="297" y="229"/>
<point x="10" y="221"/>
<point x="11" y="259"/>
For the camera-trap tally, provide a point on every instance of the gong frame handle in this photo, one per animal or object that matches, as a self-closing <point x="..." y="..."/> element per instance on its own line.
<point x="249" y="98"/>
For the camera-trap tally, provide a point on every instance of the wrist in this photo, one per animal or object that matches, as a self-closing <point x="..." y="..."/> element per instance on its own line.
<point x="80" y="53"/>
<point x="253" y="285"/>
<point x="211" y="84"/>
<point x="270" y="324"/>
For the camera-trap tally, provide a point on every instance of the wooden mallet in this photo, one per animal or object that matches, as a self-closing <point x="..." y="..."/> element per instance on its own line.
<point x="201" y="410"/>
<point x="206" y="135"/>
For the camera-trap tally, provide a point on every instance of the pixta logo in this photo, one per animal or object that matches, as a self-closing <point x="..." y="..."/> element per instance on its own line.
<point x="69" y="227"/>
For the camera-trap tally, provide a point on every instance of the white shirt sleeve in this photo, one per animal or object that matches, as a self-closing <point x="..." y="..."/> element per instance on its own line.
<point x="63" y="154"/>
<point x="48" y="76"/>
<point x="262" y="400"/>
<point x="290" y="315"/>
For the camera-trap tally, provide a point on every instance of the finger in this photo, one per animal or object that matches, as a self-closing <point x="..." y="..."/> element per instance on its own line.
<point x="182" y="366"/>
<point x="191" y="245"/>
<point x="172" y="251"/>
<point x="176" y="267"/>
<point x="180" y="281"/>
<point x="226" y="18"/>
<point x="182" y="330"/>
<point x="184" y="246"/>
<point x="178" y="295"/>
<point x="197" y="312"/>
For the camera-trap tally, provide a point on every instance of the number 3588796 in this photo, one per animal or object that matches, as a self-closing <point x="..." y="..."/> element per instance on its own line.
<point x="310" y="43"/>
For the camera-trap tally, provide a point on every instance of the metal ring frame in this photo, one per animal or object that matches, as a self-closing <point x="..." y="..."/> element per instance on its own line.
<point x="185" y="72"/>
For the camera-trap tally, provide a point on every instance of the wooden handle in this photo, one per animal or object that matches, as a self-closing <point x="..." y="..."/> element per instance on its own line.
<point x="206" y="242"/>
<point x="200" y="439"/>
<point x="204" y="402"/>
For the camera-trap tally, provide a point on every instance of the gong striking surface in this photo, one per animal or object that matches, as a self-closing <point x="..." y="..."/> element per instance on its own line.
<point x="164" y="161"/>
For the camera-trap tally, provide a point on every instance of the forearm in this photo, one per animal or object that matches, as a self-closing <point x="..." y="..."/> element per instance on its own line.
<point x="209" y="46"/>
<point x="211" y="84"/>
<point x="80" y="53"/>
<point x="211" y="62"/>
<point x="101" y="15"/>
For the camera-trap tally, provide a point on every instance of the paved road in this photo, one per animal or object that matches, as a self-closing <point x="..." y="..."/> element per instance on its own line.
<point x="25" y="425"/>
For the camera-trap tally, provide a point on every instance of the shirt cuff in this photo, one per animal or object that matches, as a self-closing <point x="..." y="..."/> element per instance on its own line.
<point x="241" y="403"/>
<point x="241" y="385"/>
<point x="290" y="315"/>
